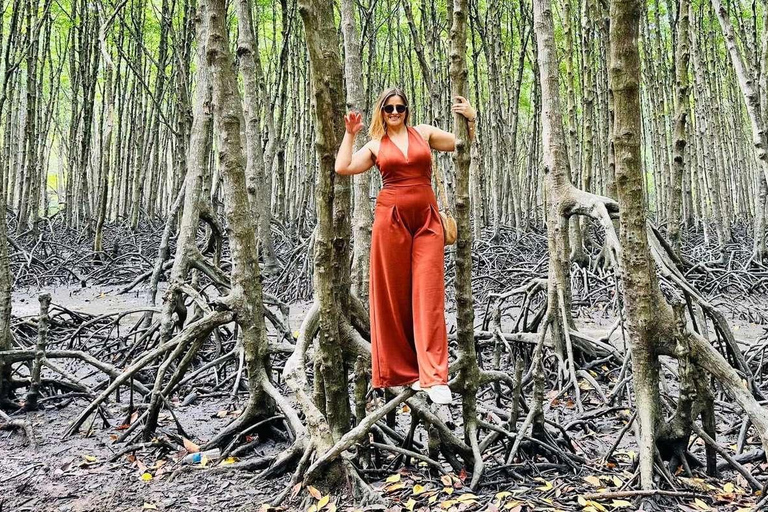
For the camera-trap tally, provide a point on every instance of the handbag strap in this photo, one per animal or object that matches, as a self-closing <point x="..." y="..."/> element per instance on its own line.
<point x="441" y="186"/>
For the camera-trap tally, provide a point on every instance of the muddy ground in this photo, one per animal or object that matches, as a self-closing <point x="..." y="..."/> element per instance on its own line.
<point x="81" y="473"/>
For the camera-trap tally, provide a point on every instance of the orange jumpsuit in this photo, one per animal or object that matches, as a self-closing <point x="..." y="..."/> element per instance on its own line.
<point x="409" y="341"/>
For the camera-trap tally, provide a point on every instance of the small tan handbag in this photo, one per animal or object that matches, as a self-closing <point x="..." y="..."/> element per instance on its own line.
<point x="446" y="217"/>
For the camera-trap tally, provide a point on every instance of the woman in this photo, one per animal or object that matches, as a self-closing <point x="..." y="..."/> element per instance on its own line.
<point x="409" y="343"/>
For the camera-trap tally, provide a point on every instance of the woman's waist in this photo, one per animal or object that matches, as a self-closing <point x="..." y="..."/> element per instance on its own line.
<point x="406" y="184"/>
<point x="414" y="194"/>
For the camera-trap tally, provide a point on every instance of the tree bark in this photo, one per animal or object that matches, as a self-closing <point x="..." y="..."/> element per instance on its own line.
<point x="327" y="84"/>
<point x="362" y="216"/>
<point x="638" y="273"/>
<point x="469" y="373"/>
<point x="682" y="58"/>
<point x="245" y="297"/>
<point x="256" y="171"/>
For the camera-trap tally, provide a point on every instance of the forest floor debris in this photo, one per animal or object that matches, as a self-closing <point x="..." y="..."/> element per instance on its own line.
<point x="92" y="471"/>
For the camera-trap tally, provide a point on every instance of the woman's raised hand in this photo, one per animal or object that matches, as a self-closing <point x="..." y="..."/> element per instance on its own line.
<point x="353" y="122"/>
<point x="463" y="107"/>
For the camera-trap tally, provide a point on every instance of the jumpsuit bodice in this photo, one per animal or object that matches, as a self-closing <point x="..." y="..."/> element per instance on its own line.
<point x="398" y="169"/>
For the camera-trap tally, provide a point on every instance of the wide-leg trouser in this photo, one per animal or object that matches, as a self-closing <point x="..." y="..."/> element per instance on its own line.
<point x="407" y="291"/>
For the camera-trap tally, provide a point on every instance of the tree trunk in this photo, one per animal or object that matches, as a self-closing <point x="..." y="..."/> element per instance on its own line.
<point x="256" y="168"/>
<point x="198" y="167"/>
<point x="362" y="216"/>
<point x="638" y="273"/>
<point x="6" y="281"/>
<point x="469" y="373"/>
<point x="327" y="84"/>
<point x="682" y="57"/>
<point x="245" y="297"/>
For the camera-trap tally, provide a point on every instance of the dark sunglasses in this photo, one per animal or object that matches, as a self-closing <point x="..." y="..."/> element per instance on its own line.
<point x="391" y="108"/>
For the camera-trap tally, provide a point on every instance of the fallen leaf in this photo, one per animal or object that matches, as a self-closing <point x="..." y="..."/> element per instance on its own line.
<point x="410" y="504"/>
<point x="590" y="505"/>
<point x="592" y="480"/>
<point x="323" y="502"/>
<point x="395" y="487"/>
<point x="448" y="490"/>
<point x="418" y="489"/>
<point x="547" y="484"/>
<point x="729" y="488"/>
<point x="620" y="503"/>
<point x="314" y="492"/>
<point x="446" y="480"/>
<point x="466" y="497"/>
<point x="702" y="505"/>
<point x="229" y="460"/>
<point x="190" y="446"/>
<point x="90" y="458"/>
<point x="393" y="478"/>
<point x="149" y="506"/>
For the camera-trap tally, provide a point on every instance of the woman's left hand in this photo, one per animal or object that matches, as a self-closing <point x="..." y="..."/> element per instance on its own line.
<point x="463" y="107"/>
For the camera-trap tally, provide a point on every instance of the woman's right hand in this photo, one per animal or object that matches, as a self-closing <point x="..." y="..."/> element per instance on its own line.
<point x="354" y="122"/>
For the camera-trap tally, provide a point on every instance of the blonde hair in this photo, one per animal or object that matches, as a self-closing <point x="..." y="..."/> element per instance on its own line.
<point x="378" y="126"/>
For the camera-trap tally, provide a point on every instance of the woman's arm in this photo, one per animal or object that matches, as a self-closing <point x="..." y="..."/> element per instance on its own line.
<point x="362" y="160"/>
<point x="438" y="139"/>
<point x="446" y="141"/>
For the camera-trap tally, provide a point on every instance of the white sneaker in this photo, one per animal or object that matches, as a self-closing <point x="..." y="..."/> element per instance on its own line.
<point x="440" y="394"/>
<point x="416" y="386"/>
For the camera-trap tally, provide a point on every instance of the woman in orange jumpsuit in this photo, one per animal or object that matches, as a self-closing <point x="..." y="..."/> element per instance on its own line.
<point x="409" y="343"/>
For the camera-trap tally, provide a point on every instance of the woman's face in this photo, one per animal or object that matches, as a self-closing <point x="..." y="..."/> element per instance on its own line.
<point x="394" y="119"/>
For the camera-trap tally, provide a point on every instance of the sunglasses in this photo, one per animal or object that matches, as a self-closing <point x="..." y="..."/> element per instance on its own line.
<point x="391" y="108"/>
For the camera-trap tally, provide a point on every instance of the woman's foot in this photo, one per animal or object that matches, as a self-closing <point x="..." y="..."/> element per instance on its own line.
<point x="440" y="394"/>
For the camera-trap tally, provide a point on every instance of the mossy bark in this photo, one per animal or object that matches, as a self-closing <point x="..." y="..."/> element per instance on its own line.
<point x="638" y="272"/>
<point x="245" y="298"/>
<point x="331" y="263"/>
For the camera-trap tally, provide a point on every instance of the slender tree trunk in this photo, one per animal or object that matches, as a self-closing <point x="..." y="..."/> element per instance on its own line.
<point x="638" y="272"/>
<point x="258" y="185"/>
<point x="6" y="281"/>
<point x="682" y="57"/>
<point x="30" y="163"/>
<point x="469" y="372"/>
<point x="327" y="84"/>
<point x="246" y="293"/>
<point x="362" y="216"/>
<point x="198" y="168"/>
<point x="557" y="176"/>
